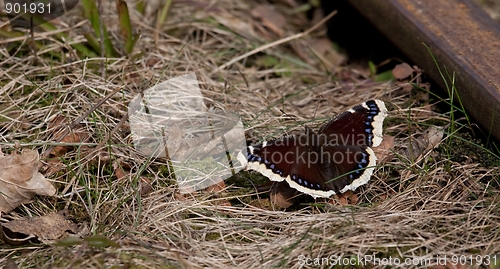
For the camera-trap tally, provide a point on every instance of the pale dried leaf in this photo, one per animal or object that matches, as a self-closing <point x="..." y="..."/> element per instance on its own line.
<point x="20" y="180"/>
<point x="174" y="137"/>
<point x="421" y="143"/>
<point x="433" y="136"/>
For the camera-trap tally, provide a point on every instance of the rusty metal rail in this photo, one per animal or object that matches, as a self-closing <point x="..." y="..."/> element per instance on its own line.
<point x="460" y="35"/>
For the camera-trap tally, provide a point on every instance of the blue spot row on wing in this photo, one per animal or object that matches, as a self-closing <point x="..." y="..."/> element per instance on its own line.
<point x="360" y="170"/>
<point x="372" y="105"/>
<point x="306" y="184"/>
<point x="269" y="165"/>
<point x="253" y="158"/>
<point x="302" y="182"/>
<point x="373" y="110"/>
<point x="365" y="158"/>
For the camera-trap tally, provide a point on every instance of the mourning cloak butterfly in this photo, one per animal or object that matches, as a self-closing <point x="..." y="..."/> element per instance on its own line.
<point x="336" y="159"/>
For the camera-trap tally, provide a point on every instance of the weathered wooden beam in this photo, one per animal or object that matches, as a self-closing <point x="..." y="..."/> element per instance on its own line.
<point x="462" y="38"/>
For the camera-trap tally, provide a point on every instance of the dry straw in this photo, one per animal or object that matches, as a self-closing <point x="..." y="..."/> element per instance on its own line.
<point x="438" y="206"/>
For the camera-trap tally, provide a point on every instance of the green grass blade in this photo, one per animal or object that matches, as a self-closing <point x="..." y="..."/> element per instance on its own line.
<point x="125" y="26"/>
<point x="140" y="6"/>
<point x="92" y="14"/>
<point x="162" y="16"/>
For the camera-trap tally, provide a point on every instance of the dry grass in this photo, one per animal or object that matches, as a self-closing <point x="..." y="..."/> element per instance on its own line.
<point x="444" y="204"/>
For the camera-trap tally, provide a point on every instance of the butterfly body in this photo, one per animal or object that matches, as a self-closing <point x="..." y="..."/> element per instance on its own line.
<point x="335" y="159"/>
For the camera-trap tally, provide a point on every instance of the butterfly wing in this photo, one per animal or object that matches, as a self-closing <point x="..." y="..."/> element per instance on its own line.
<point x="337" y="159"/>
<point x="350" y="166"/>
<point x="360" y="125"/>
<point x="349" y="138"/>
<point x="293" y="159"/>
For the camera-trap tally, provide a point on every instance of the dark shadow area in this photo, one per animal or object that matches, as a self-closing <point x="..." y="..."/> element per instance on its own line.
<point x="357" y="37"/>
<point x="362" y="42"/>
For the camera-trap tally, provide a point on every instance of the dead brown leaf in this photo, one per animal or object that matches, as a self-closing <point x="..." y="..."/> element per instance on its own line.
<point x="409" y="77"/>
<point x="318" y="52"/>
<point x="402" y="71"/>
<point x="282" y="194"/>
<point x="57" y="126"/>
<point x="10" y="264"/>
<point x="346" y="198"/>
<point x="238" y="24"/>
<point x="384" y="196"/>
<point x="45" y="229"/>
<point x="20" y="180"/>
<point x="219" y="186"/>
<point x="323" y="49"/>
<point x="383" y="151"/>
<point x="119" y="172"/>
<point x="270" y="18"/>
<point x="145" y="187"/>
<point x="216" y="188"/>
